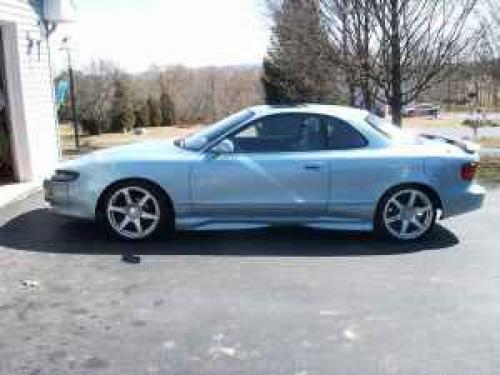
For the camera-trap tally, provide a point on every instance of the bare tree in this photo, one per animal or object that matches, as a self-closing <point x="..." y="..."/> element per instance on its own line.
<point x="349" y="24"/>
<point x="95" y="93"/>
<point x="187" y="95"/>
<point x="491" y="38"/>
<point x="399" y="48"/>
<point x="210" y="93"/>
<point x="418" y="43"/>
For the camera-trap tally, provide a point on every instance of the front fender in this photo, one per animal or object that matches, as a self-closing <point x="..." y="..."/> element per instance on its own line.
<point x="96" y="178"/>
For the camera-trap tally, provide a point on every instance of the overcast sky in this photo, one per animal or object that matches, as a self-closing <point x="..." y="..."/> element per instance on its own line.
<point x="138" y="33"/>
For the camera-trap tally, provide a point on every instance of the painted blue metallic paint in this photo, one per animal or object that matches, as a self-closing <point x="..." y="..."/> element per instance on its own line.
<point x="337" y="189"/>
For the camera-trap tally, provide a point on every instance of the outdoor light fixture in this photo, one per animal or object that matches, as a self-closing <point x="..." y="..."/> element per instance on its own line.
<point x="31" y="42"/>
<point x="56" y="12"/>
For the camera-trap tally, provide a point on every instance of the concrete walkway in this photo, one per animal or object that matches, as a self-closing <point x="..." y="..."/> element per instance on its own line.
<point x="16" y="191"/>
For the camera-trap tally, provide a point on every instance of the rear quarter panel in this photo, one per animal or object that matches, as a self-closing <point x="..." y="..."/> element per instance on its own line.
<point x="360" y="178"/>
<point x="445" y="174"/>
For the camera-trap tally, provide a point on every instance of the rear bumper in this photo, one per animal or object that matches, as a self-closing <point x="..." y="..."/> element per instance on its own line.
<point x="463" y="201"/>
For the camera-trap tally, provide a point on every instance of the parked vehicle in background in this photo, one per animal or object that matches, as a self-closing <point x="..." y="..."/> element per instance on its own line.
<point x="313" y="165"/>
<point x="422" y="109"/>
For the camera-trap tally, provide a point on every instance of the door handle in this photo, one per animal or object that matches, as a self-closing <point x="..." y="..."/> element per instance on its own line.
<point x="312" y="166"/>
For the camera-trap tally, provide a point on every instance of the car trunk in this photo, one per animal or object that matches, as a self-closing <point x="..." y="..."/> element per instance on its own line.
<point x="466" y="146"/>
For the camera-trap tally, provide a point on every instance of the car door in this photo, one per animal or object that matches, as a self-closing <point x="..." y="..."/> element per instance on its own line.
<point x="353" y="171"/>
<point x="273" y="171"/>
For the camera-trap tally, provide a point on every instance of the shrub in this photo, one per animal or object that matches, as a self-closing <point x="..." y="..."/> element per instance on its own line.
<point x="481" y="122"/>
<point x="122" y="111"/>
<point x="142" y="116"/>
<point x="154" y="112"/>
<point x="167" y="109"/>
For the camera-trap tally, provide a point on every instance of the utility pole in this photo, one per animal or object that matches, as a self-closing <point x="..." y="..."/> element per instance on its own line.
<point x="212" y="89"/>
<point x="72" y="88"/>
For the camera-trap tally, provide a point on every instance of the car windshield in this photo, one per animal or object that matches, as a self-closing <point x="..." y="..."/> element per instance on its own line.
<point x="386" y="128"/>
<point x="197" y="141"/>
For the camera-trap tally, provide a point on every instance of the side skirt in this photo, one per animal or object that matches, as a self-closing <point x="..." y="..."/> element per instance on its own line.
<point x="200" y="223"/>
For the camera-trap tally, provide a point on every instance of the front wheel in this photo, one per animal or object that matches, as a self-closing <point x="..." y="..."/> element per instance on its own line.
<point x="406" y="214"/>
<point x="133" y="211"/>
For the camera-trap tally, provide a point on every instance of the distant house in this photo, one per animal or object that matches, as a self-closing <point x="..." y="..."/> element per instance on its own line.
<point x="28" y="123"/>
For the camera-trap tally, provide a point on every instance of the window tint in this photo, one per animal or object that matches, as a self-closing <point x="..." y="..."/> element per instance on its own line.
<point x="199" y="139"/>
<point x="280" y="133"/>
<point x="342" y="136"/>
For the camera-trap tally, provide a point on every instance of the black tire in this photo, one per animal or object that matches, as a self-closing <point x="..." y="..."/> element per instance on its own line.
<point x="385" y="230"/>
<point x="165" y="223"/>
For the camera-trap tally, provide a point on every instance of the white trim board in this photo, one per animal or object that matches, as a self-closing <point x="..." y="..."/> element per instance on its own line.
<point x="16" y="110"/>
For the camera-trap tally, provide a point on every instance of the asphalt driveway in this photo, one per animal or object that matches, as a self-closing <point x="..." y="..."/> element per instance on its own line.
<point x="280" y="301"/>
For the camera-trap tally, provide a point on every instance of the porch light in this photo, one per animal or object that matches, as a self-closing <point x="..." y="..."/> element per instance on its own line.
<point x="56" y="12"/>
<point x="59" y="11"/>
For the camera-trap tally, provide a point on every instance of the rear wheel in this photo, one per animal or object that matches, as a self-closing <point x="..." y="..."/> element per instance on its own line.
<point x="406" y="214"/>
<point x="134" y="211"/>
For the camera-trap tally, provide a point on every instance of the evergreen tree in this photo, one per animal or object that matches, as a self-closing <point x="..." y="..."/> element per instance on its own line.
<point x="122" y="110"/>
<point x="298" y="68"/>
<point x="275" y="84"/>
<point x="154" y="112"/>
<point x="142" y="116"/>
<point x="167" y="109"/>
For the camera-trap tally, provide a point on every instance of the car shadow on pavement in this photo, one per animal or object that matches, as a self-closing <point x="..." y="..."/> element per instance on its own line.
<point x="41" y="231"/>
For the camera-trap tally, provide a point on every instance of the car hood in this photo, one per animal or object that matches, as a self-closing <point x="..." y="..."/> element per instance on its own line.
<point x="137" y="152"/>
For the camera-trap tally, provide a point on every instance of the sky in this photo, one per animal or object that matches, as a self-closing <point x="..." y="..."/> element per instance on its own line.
<point x="137" y="34"/>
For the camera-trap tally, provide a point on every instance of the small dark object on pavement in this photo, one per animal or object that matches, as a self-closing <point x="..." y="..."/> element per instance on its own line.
<point x="30" y="283"/>
<point x="131" y="258"/>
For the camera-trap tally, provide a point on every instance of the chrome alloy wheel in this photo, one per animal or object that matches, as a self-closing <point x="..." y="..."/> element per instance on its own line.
<point x="133" y="212"/>
<point x="408" y="214"/>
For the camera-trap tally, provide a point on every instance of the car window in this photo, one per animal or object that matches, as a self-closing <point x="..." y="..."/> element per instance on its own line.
<point x="280" y="133"/>
<point x="342" y="136"/>
<point x="384" y="127"/>
<point x="198" y="140"/>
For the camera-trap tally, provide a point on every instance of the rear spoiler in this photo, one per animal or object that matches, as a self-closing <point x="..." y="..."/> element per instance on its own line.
<point x="467" y="146"/>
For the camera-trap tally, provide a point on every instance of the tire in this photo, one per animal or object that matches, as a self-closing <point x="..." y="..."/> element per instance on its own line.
<point x="135" y="211"/>
<point x="406" y="214"/>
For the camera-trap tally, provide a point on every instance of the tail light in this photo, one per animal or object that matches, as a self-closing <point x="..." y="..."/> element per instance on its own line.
<point x="468" y="171"/>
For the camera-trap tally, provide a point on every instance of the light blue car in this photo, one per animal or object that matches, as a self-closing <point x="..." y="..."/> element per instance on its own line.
<point x="319" y="166"/>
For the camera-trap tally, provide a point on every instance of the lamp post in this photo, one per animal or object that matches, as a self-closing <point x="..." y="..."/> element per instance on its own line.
<point x="72" y="94"/>
<point x="57" y="12"/>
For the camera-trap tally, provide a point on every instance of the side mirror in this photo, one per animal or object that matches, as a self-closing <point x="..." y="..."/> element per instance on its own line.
<point x="226" y="146"/>
<point x="197" y="142"/>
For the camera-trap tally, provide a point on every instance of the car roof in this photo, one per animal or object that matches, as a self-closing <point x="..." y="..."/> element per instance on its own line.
<point x="342" y="112"/>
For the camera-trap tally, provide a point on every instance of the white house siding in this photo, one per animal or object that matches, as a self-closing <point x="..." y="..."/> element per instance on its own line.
<point x="33" y="119"/>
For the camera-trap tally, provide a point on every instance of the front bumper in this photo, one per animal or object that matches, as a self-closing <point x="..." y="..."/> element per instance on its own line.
<point x="463" y="201"/>
<point x="59" y="197"/>
<point x="55" y="192"/>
